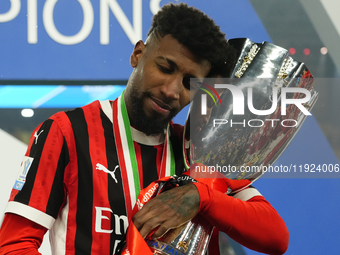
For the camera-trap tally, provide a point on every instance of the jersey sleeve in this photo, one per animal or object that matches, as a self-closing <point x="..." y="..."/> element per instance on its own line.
<point x="39" y="192"/>
<point x="247" y="217"/>
<point x="26" y="241"/>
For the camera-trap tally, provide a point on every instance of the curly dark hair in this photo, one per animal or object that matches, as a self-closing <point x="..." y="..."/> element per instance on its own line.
<point x="198" y="32"/>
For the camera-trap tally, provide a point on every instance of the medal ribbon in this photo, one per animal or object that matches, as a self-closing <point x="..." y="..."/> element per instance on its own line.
<point x="135" y="244"/>
<point x="127" y="155"/>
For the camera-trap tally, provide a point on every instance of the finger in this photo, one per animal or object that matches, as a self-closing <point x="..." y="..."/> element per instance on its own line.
<point x="155" y="218"/>
<point x="148" y="227"/>
<point x="173" y="233"/>
<point x="148" y="220"/>
<point x="164" y="228"/>
<point x="149" y="211"/>
<point x="139" y="219"/>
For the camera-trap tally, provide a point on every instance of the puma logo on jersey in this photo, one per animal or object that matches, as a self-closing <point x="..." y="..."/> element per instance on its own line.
<point x="104" y="169"/>
<point x="36" y="135"/>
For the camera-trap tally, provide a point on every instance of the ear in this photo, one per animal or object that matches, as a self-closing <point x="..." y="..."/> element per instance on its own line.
<point x="137" y="53"/>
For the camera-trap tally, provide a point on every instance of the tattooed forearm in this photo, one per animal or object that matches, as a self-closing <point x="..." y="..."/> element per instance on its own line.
<point x="185" y="206"/>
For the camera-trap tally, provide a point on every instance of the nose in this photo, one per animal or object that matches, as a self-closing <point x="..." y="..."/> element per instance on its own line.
<point x="172" y="87"/>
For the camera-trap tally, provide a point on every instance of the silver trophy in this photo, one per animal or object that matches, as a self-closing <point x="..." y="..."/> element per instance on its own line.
<point x="222" y="137"/>
<point x="245" y="144"/>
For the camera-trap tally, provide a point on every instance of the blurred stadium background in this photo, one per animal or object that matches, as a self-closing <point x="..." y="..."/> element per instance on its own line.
<point x="57" y="55"/>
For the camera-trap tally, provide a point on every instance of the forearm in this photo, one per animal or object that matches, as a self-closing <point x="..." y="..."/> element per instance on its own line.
<point x="20" y="236"/>
<point x="253" y="223"/>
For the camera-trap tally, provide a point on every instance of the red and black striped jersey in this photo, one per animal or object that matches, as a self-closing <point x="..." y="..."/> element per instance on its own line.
<point x="70" y="180"/>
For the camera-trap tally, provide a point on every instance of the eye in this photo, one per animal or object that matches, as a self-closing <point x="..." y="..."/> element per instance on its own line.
<point x="164" y="69"/>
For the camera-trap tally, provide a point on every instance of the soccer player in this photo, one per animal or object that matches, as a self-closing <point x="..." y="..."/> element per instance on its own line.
<point x="83" y="168"/>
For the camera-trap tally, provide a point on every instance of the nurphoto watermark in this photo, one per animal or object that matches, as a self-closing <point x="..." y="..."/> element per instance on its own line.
<point x="242" y="126"/>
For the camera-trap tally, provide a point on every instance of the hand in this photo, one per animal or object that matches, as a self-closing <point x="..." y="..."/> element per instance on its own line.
<point x="168" y="210"/>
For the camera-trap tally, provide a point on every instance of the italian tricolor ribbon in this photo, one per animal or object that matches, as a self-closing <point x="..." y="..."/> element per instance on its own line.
<point x="127" y="155"/>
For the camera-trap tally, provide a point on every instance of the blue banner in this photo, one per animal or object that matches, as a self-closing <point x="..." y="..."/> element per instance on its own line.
<point x="93" y="39"/>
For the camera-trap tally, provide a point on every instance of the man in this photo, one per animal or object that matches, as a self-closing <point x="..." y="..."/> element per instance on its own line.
<point x="84" y="168"/>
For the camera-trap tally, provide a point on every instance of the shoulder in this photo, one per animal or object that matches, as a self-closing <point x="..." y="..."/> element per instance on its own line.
<point x="65" y="117"/>
<point x="63" y="123"/>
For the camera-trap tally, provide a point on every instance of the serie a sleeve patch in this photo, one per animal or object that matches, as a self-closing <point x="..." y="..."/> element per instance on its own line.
<point x="23" y="171"/>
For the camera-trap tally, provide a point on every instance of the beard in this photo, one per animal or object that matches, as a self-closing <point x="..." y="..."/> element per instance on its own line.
<point x="151" y="126"/>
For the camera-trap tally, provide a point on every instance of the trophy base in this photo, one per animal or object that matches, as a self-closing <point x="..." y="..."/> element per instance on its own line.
<point x="188" y="239"/>
<point x="159" y="248"/>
